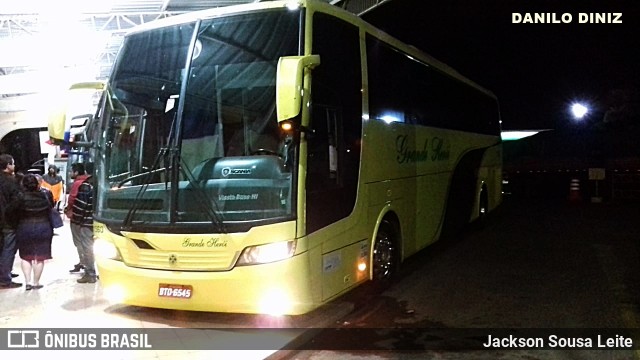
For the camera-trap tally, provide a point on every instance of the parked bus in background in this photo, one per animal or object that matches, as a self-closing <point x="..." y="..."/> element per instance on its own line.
<point x="42" y="136"/>
<point x="68" y="121"/>
<point x="20" y="136"/>
<point x="68" y="127"/>
<point x="269" y="157"/>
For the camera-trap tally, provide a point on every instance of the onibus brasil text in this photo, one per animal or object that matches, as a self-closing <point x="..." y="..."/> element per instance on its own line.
<point x="96" y="341"/>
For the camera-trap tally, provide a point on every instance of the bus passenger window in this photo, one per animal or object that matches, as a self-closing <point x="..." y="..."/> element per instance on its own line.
<point x="333" y="162"/>
<point x="324" y="160"/>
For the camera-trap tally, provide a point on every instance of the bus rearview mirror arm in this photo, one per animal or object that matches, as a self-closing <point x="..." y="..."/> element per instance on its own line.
<point x="289" y="84"/>
<point x="83" y="144"/>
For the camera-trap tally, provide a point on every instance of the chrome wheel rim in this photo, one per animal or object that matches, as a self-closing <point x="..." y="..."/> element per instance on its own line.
<point x="383" y="256"/>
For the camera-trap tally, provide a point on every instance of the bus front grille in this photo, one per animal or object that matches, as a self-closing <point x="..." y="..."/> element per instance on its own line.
<point x="179" y="260"/>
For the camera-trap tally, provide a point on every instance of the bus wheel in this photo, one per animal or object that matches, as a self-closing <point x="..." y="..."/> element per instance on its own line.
<point x="385" y="255"/>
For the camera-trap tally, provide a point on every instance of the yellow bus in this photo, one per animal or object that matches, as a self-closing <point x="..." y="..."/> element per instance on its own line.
<point x="269" y="157"/>
<point x="73" y="111"/>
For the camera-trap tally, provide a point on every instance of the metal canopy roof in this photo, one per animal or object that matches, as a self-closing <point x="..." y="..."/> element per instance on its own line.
<point x="77" y="40"/>
<point x="112" y="6"/>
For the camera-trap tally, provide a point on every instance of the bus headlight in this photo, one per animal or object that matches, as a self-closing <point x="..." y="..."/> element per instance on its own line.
<point x="106" y="249"/>
<point x="261" y="254"/>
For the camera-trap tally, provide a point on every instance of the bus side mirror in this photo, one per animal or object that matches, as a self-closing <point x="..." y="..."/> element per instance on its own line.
<point x="289" y="84"/>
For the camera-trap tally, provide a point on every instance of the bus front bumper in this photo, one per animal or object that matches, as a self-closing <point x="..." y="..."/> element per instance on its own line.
<point x="278" y="288"/>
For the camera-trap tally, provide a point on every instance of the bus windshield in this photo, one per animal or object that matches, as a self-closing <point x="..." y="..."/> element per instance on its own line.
<point x="188" y="127"/>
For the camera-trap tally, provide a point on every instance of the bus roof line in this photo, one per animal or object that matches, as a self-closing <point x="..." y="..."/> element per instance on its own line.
<point x="319" y="5"/>
<point x="408" y="49"/>
<point x="207" y="14"/>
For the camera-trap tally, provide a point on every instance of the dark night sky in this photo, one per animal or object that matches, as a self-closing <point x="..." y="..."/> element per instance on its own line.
<point x="536" y="70"/>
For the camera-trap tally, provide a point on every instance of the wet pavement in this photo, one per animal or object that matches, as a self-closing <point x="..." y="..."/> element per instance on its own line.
<point x="64" y="303"/>
<point x="542" y="264"/>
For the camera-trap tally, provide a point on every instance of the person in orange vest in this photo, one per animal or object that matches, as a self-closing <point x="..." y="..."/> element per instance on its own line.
<point x="55" y="183"/>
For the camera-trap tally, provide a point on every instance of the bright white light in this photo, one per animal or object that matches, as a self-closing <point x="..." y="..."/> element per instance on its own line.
<point x="274" y="252"/>
<point x="114" y="294"/>
<point x="293" y="5"/>
<point x="105" y="249"/>
<point x="275" y="303"/>
<point x="391" y="116"/>
<point x="518" y="134"/>
<point x="389" y="119"/>
<point x="579" y="110"/>
<point x="61" y="8"/>
<point x="267" y="253"/>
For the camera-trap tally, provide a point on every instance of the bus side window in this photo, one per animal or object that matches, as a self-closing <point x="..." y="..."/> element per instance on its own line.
<point x="324" y="159"/>
<point x="333" y="158"/>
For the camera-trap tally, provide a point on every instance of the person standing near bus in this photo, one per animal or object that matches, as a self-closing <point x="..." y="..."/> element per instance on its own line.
<point x="55" y="183"/>
<point x="13" y="196"/>
<point x="35" y="231"/>
<point x="80" y="210"/>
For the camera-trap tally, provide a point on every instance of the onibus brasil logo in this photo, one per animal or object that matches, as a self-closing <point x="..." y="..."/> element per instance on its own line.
<point x="74" y="339"/>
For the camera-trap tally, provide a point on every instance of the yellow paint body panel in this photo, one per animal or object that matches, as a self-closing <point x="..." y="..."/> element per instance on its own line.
<point x="412" y="172"/>
<point x="68" y="104"/>
<point x="331" y="260"/>
<point x="239" y="290"/>
<point x="242" y="289"/>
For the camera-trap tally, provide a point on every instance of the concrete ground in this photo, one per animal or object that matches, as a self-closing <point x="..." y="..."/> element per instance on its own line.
<point x="64" y="303"/>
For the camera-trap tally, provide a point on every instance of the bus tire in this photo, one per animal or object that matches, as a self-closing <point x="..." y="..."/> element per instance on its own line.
<point x="386" y="255"/>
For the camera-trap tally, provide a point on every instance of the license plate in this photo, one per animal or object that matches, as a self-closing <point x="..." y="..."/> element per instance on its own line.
<point x="175" y="291"/>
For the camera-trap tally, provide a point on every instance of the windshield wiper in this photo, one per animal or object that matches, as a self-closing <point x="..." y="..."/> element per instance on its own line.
<point x="128" y="220"/>
<point x="210" y="206"/>
<point x="136" y="176"/>
<point x="172" y="152"/>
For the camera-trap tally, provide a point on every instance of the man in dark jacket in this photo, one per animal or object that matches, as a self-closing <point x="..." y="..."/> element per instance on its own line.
<point x="12" y="198"/>
<point x="80" y="210"/>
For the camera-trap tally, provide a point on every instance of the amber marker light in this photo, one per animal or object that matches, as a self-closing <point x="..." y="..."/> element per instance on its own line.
<point x="286" y="126"/>
<point x="362" y="266"/>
